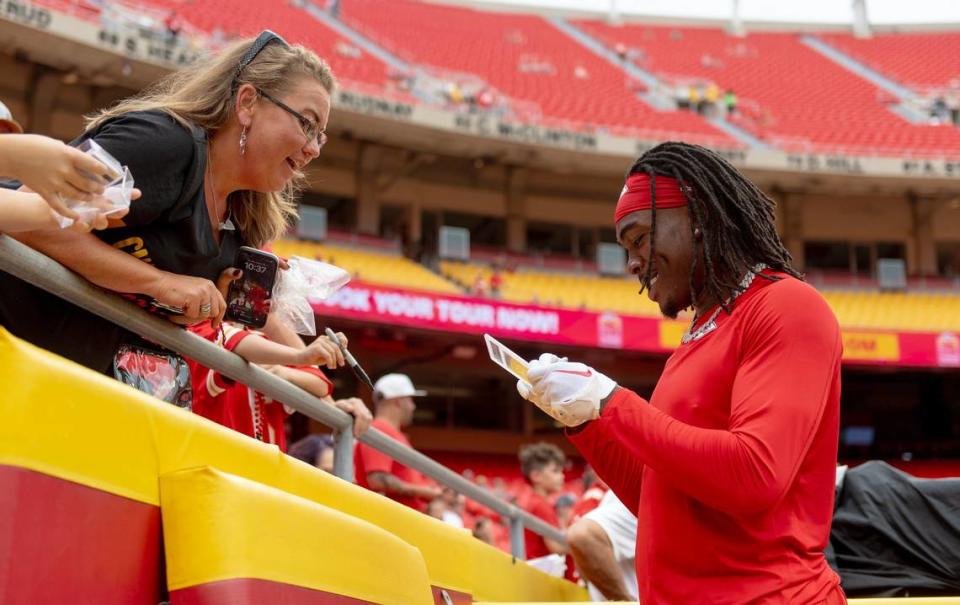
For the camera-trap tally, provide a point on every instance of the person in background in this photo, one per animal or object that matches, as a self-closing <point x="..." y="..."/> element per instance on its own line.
<point x="483" y="531"/>
<point x="437" y="509"/>
<point x="602" y="543"/>
<point x="455" y="513"/>
<point x="496" y="283"/>
<point x="393" y="397"/>
<point x="730" y="102"/>
<point x="316" y="450"/>
<point x="542" y="466"/>
<point x="7" y="124"/>
<point x="564" y="509"/>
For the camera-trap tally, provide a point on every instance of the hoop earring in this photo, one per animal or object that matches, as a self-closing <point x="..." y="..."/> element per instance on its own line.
<point x="243" y="141"/>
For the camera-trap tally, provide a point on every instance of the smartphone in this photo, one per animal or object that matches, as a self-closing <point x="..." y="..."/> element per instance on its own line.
<point x="247" y="297"/>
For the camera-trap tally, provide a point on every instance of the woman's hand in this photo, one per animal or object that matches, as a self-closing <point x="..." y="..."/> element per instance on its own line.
<point x="196" y="297"/>
<point x="52" y="169"/>
<point x="361" y="414"/>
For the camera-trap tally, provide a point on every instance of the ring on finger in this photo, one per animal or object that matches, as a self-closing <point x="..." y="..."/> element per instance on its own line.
<point x="205" y="308"/>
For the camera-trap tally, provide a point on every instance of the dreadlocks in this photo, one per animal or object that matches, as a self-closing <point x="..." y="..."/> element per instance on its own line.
<point x="735" y="218"/>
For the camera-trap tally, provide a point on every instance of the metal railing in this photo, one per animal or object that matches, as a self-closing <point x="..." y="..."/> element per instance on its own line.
<point x="35" y="268"/>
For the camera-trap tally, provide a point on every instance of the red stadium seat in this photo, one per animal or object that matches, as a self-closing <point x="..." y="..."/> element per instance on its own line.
<point x="525" y="58"/>
<point x="917" y="60"/>
<point x="810" y="102"/>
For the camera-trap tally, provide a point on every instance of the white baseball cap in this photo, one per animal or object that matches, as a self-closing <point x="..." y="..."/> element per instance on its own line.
<point x="7" y="118"/>
<point x="392" y="386"/>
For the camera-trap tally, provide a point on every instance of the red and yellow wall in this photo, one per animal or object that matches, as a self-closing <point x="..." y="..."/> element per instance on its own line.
<point x="89" y="467"/>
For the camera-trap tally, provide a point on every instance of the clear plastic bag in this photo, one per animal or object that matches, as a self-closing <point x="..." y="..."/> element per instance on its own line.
<point x="163" y="374"/>
<point x="116" y="196"/>
<point x="306" y="281"/>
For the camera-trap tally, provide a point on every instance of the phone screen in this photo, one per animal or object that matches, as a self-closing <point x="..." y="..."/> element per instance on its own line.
<point x="247" y="297"/>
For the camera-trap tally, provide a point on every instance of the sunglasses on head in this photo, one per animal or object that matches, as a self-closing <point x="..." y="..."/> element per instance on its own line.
<point x="265" y="38"/>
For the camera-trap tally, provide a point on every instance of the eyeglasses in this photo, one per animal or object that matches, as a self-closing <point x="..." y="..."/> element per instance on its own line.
<point x="310" y="128"/>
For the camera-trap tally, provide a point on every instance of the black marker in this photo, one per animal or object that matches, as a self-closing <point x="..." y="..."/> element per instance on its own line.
<point x="351" y="360"/>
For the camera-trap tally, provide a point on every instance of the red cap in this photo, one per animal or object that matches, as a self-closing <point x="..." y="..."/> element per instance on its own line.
<point x="636" y="194"/>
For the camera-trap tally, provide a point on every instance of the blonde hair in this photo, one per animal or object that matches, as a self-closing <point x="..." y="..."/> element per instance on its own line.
<point x="203" y="95"/>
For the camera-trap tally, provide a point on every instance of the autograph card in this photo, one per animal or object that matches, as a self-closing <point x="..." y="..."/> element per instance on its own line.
<point x="506" y="359"/>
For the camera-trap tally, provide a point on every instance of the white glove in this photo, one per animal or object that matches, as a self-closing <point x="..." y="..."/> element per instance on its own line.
<point x="569" y="392"/>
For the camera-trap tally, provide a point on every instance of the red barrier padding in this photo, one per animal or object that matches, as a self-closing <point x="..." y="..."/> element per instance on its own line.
<point x="62" y="542"/>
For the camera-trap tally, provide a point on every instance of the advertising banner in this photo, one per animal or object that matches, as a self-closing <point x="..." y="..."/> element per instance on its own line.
<point x="509" y="321"/>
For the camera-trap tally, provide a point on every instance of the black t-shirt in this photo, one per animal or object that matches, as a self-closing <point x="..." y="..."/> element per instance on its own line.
<point x="169" y="227"/>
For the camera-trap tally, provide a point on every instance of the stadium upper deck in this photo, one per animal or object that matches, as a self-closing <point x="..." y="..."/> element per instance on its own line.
<point x="919" y="60"/>
<point x="526" y="58"/>
<point x="801" y="99"/>
<point x="791" y="97"/>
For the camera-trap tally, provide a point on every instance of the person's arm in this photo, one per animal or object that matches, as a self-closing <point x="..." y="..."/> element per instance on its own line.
<point x="593" y="553"/>
<point x="26" y="211"/>
<point x="389" y="483"/>
<point x="260" y="350"/>
<point x="278" y="331"/>
<point x="52" y="169"/>
<point x="548" y="514"/>
<point x="115" y="270"/>
<point x="23" y="211"/>
<point x="308" y="381"/>
<point x="620" y="470"/>
<point x="789" y="360"/>
<point x="555" y="547"/>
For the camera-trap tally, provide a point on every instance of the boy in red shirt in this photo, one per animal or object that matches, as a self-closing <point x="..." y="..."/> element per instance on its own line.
<point x="542" y="465"/>
<point x="730" y="465"/>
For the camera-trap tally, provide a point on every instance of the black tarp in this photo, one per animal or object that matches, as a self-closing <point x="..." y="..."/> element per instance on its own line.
<point x="896" y="535"/>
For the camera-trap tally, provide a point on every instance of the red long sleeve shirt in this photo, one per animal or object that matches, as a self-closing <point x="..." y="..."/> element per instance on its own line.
<point x="731" y="465"/>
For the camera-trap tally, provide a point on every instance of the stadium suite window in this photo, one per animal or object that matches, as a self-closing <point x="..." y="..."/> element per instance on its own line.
<point x="948" y="259"/>
<point x="908" y="412"/>
<point x="341" y="211"/>
<point x="484" y="230"/>
<point x="855" y="257"/>
<point x="588" y="238"/>
<point x="487" y="407"/>
<point x="554" y="238"/>
<point x="393" y="222"/>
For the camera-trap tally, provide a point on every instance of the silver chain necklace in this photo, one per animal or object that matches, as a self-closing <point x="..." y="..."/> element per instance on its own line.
<point x="227" y="223"/>
<point x="710" y="325"/>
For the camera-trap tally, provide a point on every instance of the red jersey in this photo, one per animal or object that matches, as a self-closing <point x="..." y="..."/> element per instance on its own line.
<point x="731" y="465"/>
<point x="367" y="460"/>
<point x="538" y="506"/>
<point x="233" y="404"/>
<point x="587" y="502"/>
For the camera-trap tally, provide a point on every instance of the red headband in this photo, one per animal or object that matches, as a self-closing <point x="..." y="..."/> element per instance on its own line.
<point x="636" y="195"/>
